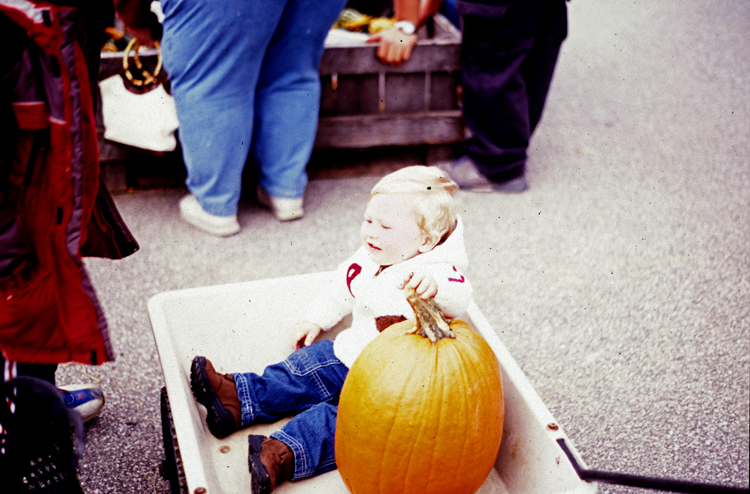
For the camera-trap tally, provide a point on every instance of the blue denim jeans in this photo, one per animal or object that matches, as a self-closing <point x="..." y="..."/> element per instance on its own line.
<point x="308" y="384"/>
<point x="245" y="77"/>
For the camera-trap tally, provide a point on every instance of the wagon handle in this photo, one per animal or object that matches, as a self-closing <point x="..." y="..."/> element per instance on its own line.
<point x="644" y="482"/>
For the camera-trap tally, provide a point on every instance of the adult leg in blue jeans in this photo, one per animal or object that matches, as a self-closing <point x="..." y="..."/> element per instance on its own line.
<point x="213" y="52"/>
<point x="216" y="53"/>
<point x="288" y="96"/>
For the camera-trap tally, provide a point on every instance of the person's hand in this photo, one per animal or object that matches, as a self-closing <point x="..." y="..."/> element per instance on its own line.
<point x="424" y="284"/>
<point x="395" y="47"/>
<point x="306" y="334"/>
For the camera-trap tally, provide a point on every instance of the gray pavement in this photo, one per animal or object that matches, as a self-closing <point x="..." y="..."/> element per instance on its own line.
<point x="620" y="281"/>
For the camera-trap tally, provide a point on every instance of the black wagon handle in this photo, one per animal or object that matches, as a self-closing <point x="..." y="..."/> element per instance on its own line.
<point x="644" y="482"/>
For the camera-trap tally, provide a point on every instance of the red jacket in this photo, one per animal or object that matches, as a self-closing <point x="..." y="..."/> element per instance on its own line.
<point x="54" y="207"/>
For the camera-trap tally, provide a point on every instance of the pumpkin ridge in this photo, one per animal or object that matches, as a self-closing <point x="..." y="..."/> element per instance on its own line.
<point x="414" y="460"/>
<point x="447" y="349"/>
<point x="432" y="388"/>
<point x="469" y="374"/>
<point x="467" y="350"/>
<point x="379" y="474"/>
<point x="486" y="389"/>
<point x="377" y="396"/>
<point x="464" y="408"/>
<point x="384" y="476"/>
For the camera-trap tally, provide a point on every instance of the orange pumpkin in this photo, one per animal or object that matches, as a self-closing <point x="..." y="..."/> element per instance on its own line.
<point x="421" y="410"/>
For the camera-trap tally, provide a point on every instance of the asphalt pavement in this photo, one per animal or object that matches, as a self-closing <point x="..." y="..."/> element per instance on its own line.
<point x="620" y="281"/>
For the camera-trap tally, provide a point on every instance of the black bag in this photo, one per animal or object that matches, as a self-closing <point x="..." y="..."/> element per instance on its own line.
<point x="42" y="439"/>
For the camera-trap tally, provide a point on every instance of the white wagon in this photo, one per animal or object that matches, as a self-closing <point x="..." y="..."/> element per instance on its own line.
<point x="246" y="326"/>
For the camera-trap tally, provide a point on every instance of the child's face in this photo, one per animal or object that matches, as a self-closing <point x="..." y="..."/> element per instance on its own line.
<point x="390" y="232"/>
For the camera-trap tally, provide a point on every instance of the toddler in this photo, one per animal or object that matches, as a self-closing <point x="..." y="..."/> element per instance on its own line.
<point x="411" y="236"/>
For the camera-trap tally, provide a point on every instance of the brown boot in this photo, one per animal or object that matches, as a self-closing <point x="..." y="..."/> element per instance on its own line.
<point x="218" y="393"/>
<point x="271" y="463"/>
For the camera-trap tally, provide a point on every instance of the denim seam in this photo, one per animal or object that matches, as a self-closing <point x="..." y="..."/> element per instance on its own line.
<point x="246" y="404"/>
<point x="318" y="365"/>
<point x="325" y="464"/>
<point x="300" y="459"/>
<point x="313" y="372"/>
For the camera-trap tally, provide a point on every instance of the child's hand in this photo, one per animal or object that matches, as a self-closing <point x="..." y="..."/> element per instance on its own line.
<point x="423" y="284"/>
<point x="306" y="334"/>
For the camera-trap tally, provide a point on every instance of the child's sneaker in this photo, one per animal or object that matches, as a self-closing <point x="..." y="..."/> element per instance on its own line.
<point x="218" y="393"/>
<point x="88" y="401"/>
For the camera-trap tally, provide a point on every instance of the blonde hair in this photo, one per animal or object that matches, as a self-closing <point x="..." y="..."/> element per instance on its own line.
<point x="436" y="207"/>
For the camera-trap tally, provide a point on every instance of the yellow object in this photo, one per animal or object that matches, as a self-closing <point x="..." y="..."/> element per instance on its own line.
<point x="147" y="78"/>
<point x="380" y="24"/>
<point x="352" y="20"/>
<point x="421" y="411"/>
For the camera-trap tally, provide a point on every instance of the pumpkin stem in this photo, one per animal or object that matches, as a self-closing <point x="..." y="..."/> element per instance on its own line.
<point x="430" y="320"/>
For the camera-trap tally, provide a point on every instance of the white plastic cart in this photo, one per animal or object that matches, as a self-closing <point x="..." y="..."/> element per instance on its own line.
<point x="247" y="326"/>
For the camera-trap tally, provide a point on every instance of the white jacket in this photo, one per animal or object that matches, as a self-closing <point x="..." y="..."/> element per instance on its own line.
<point x="356" y="289"/>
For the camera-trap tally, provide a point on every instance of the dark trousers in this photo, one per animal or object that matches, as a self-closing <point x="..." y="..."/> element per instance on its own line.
<point x="509" y="51"/>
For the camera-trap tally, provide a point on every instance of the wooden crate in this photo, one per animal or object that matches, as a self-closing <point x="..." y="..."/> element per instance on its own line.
<point x="365" y="103"/>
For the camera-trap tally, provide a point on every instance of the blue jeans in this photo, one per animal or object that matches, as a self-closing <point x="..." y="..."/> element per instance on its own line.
<point x="308" y="384"/>
<point x="245" y="77"/>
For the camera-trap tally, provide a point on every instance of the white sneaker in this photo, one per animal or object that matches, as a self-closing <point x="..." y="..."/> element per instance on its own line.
<point x="221" y="226"/>
<point x="284" y="209"/>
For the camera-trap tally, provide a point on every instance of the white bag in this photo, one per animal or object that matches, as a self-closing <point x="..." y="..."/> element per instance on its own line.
<point x="146" y="121"/>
